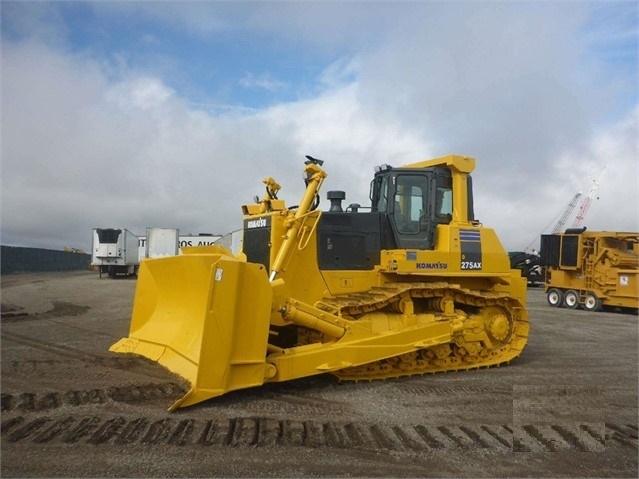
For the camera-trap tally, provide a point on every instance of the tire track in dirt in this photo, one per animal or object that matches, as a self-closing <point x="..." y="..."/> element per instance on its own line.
<point x="56" y="349"/>
<point x="128" y="362"/>
<point x="11" y="313"/>
<point x="268" y="432"/>
<point x="32" y="365"/>
<point x="133" y="394"/>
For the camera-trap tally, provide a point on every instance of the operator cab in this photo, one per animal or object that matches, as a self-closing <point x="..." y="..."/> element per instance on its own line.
<point x="407" y="205"/>
<point x="415" y="200"/>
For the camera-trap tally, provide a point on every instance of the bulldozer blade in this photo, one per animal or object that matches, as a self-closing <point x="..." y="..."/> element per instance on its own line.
<point x="191" y="315"/>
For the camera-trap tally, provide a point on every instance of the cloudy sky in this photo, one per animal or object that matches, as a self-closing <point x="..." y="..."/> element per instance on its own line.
<point x="161" y="114"/>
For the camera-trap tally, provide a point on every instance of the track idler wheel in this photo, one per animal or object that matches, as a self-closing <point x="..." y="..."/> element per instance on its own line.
<point x="499" y="327"/>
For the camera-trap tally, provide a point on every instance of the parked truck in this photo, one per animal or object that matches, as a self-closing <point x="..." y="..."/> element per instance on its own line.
<point x="528" y="264"/>
<point x="591" y="269"/>
<point x="115" y="252"/>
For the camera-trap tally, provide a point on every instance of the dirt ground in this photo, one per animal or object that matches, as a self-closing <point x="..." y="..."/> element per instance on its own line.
<point x="566" y="408"/>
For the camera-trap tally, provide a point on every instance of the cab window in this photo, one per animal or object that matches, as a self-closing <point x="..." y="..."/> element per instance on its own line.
<point x="382" y="202"/>
<point x="444" y="199"/>
<point x="410" y="203"/>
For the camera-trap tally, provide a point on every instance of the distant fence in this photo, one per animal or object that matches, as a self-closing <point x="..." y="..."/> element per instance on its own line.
<point x="16" y="259"/>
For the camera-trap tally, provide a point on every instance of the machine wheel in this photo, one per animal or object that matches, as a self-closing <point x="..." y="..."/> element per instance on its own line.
<point x="555" y="297"/>
<point x="592" y="302"/>
<point x="571" y="299"/>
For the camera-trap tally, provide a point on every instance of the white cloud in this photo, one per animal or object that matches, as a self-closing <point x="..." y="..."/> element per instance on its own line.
<point x="41" y="21"/>
<point x="87" y="145"/>
<point x="133" y="154"/>
<point x="264" y="81"/>
<point x="341" y="72"/>
<point x="198" y="18"/>
<point x="521" y="218"/>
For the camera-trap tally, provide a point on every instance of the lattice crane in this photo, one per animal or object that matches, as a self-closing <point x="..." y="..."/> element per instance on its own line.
<point x="566" y="214"/>
<point x="585" y="204"/>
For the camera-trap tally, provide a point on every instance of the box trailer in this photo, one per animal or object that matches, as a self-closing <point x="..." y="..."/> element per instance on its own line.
<point x="201" y="239"/>
<point x="161" y="242"/>
<point x="591" y="269"/>
<point x="115" y="252"/>
<point x="232" y="241"/>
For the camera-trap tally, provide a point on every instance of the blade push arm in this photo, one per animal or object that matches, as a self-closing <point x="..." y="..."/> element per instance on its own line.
<point x="314" y="178"/>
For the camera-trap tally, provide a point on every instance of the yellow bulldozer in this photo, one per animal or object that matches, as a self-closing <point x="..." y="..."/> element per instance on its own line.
<point x="412" y="284"/>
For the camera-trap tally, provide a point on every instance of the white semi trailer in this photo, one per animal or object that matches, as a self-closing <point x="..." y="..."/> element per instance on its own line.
<point x="115" y="252"/>
<point x="161" y="242"/>
<point x="203" y="239"/>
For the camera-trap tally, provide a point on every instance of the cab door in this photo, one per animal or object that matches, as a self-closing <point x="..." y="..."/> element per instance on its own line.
<point x="410" y="211"/>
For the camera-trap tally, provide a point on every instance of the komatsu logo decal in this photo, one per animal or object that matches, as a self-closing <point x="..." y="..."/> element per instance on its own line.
<point x="436" y="265"/>
<point x="258" y="223"/>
